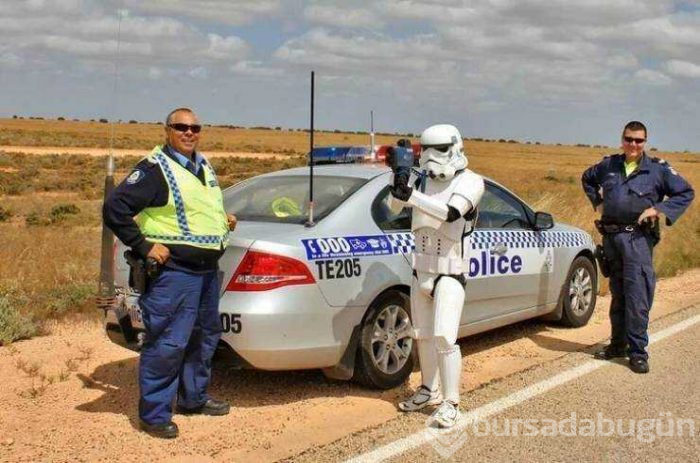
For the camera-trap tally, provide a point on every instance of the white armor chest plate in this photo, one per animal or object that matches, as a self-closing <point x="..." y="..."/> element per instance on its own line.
<point x="438" y="251"/>
<point x="442" y="191"/>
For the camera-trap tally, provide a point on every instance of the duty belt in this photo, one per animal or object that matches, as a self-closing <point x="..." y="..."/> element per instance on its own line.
<point x="607" y="228"/>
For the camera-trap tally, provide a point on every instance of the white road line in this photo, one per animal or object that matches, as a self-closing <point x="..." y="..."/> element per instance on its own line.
<point x="422" y="437"/>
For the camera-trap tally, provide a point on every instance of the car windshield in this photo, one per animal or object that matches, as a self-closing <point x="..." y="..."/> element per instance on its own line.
<point x="285" y="198"/>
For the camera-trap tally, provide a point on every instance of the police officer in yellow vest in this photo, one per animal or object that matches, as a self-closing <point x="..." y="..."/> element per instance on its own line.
<point x="170" y="208"/>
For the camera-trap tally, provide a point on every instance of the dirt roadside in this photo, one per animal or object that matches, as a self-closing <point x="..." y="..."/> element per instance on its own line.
<point x="41" y="150"/>
<point x="85" y="406"/>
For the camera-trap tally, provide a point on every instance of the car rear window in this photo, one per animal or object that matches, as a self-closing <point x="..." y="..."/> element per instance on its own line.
<point x="285" y="199"/>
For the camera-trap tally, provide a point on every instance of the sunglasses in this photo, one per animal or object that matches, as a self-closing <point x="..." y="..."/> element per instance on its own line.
<point x="440" y="148"/>
<point x="638" y="141"/>
<point x="185" y="127"/>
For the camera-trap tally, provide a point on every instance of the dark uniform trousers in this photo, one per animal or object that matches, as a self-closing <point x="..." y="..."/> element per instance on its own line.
<point x="632" y="282"/>
<point x="181" y="317"/>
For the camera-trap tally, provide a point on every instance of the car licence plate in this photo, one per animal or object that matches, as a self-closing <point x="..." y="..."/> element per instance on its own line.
<point x="131" y="304"/>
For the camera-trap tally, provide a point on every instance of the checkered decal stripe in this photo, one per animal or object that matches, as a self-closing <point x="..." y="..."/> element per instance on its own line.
<point x="177" y="197"/>
<point x="528" y="239"/>
<point x="201" y="239"/>
<point x="403" y="242"/>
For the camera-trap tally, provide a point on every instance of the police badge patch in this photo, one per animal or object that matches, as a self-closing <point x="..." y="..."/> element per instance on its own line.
<point x="135" y="177"/>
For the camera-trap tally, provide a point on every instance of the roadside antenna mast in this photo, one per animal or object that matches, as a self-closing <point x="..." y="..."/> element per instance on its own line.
<point x="110" y="158"/>
<point x="105" y="287"/>
<point x="372" y="149"/>
<point x="310" y="222"/>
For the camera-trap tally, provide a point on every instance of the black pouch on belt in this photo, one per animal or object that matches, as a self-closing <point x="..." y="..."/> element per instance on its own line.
<point x="603" y="262"/>
<point x="138" y="279"/>
<point x="599" y="226"/>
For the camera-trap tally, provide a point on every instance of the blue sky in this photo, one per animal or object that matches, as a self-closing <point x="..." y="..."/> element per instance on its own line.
<point x="570" y="71"/>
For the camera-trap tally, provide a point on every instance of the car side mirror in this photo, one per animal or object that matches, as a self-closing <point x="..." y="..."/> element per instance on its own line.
<point x="543" y="221"/>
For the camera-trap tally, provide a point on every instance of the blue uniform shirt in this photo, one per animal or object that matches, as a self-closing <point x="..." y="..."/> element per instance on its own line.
<point x="186" y="161"/>
<point x="653" y="184"/>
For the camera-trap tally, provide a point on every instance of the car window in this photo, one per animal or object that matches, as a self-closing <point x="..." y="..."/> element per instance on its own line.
<point x="497" y="209"/>
<point x="385" y="218"/>
<point x="500" y="209"/>
<point x="285" y="198"/>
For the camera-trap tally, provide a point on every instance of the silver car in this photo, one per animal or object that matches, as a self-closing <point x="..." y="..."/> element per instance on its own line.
<point x="335" y="295"/>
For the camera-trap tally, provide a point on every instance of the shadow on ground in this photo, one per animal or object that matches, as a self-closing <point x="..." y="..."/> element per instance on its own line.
<point x="254" y="388"/>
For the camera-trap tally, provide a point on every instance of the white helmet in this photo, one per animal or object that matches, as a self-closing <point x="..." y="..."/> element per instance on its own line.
<point x="442" y="154"/>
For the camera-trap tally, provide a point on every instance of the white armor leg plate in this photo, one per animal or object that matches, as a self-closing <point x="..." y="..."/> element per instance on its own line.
<point x="449" y="301"/>
<point x="422" y="315"/>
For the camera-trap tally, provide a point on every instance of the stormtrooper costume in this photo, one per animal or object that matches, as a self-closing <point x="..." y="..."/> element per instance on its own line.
<point x="443" y="203"/>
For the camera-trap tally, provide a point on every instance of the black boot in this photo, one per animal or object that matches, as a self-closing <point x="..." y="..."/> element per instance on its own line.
<point x="163" y="431"/>
<point x="610" y="352"/>
<point x="639" y="365"/>
<point x="210" y="407"/>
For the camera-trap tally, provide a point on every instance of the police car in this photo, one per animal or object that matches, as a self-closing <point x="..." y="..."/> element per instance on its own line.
<point x="335" y="295"/>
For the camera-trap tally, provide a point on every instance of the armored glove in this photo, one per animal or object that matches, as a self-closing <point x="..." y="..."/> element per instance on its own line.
<point x="400" y="190"/>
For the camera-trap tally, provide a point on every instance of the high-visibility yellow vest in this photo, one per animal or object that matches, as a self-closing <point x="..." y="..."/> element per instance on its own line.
<point x="194" y="214"/>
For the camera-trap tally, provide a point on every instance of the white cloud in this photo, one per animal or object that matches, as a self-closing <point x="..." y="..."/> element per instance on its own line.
<point x="90" y="48"/>
<point x="255" y="69"/>
<point x="514" y="61"/>
<point x="683" y="68"/>
<point x="154" y="73"/>
<point x="440" y="12"/>
<point x="358" y="54"/>
<point x="674" y="35"/>
<point x="536" y="51"/>
<point x="653" y="77"/>
<point x="340" y="16"/>
<point x="226" y="48"/>
<point x="56" y="32"/>
<point x="218" y="11"/>
<point x="10" y="60"/>
<point x="53" y="6"/>
<point x="199" y="72"/>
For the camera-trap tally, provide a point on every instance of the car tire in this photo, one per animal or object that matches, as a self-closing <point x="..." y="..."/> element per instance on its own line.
<point x="578" y="296"/>
<point x="385" y="354"/>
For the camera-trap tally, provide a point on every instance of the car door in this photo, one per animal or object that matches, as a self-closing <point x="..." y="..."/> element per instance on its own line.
<point x="505" y="264"/>
<point x="510" y="266"/>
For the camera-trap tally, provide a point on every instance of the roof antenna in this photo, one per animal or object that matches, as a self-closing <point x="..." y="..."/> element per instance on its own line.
<point x="310" y="222"/>
<point x="105" y="287"/>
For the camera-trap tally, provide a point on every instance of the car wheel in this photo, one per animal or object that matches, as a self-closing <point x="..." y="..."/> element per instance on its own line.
<point x="385" y="354"/>
<point x="579" y="293"/>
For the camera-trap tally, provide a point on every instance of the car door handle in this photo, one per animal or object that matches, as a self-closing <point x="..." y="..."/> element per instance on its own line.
<point x="499" y="249"/>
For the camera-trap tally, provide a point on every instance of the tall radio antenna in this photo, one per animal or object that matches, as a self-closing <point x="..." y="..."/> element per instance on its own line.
<point x="310" y="222"/>
<point x="110" y="158"/>
<point x="105" y="287"/>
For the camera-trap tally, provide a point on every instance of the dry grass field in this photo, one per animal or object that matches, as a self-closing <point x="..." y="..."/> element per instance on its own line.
<point x="50" y="204"/>
<point x="24" y="132"/>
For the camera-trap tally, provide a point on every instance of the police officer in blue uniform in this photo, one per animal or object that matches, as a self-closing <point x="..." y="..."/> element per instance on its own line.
<point x="182" y="225"/>
<point x="636" y="190"/>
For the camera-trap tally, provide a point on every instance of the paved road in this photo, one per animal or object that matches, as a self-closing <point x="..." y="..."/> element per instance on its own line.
<point x="596" y="392"/>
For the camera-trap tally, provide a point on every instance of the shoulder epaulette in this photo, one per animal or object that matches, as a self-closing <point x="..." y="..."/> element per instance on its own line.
<point x="150" y="160"/>
<point x="665" y="164"/>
